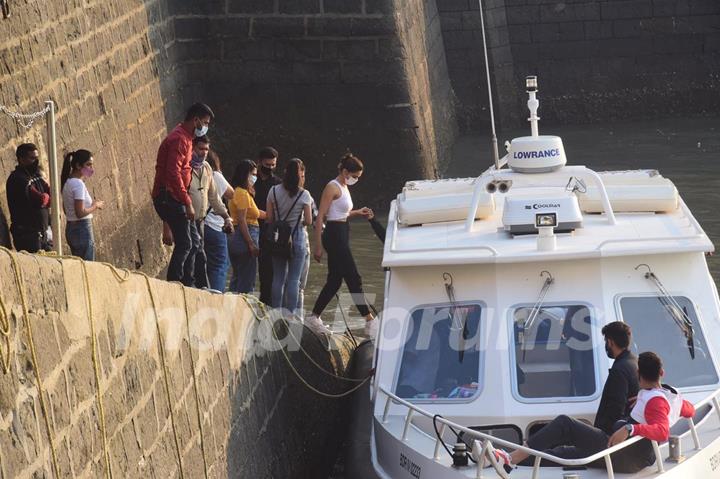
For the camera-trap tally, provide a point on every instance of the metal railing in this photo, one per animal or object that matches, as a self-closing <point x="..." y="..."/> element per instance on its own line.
<point x="485" y="442"/>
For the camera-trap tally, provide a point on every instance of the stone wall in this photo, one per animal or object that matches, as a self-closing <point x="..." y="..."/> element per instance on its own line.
<point x="318" y="77"/>
<point x="109" y="69"/>
<point x="257" y="420"/>
<point x="597" y="60"/>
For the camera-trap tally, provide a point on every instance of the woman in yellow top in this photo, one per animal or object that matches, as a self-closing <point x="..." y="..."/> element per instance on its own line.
<point x="243" y="244"/>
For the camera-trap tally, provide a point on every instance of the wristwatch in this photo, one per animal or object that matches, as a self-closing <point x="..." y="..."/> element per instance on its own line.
<point x="629" y="429"/>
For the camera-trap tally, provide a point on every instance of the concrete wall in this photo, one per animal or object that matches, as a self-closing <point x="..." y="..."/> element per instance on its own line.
<point x="597" y="60"/>
<point x="258" y="421"/>
<point x="108" y="67"/>
<point x="317" y="77"/>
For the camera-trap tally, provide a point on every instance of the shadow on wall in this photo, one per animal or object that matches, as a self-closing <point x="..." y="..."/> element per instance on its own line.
<point x="278" y="426"/>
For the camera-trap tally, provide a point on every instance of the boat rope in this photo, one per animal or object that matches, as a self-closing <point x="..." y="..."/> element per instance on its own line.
<point x="19" y="281"/>
<point x="93" y="341"/>
<point x="194" y="378"/>
<point x="249" y="299"/>
<point x="166" y="380"/>
<point x="5" y="353"/>
<point x="348" y="332"/>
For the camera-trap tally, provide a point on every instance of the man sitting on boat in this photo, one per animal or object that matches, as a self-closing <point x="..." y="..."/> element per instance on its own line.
<point x="621" y="385"/>
<point x="657" y="408"/>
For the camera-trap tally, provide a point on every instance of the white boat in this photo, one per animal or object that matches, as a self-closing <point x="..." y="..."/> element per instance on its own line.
<point x="496" y="291"/>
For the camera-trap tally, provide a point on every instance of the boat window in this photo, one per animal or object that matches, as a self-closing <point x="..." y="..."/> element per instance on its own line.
<point x="554" y="352"/>
<point x="441" y="358"/>
<point x="655" y="329"/>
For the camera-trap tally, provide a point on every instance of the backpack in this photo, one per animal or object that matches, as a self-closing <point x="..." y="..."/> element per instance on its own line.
<point x="279" y="233"/>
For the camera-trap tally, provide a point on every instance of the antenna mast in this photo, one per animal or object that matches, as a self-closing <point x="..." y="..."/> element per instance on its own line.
<point x="496" y="156"/>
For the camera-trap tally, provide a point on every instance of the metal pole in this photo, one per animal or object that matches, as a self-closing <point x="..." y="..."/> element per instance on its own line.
<point x="54" y="178"/>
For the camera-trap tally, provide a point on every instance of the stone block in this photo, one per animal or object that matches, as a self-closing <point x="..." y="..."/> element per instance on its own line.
<point x="250" y="49"/>
<point x="545" y="32"/>
<point x="598" y="30"/>
<point x="302" y="50"/>
<point x="191" y="28"/>
<point x="232" y="27"/>
<point x="671" y="7"/>
<point x="704" y="7"/>
<point x="627" y="28"/>
<point x="373" y="7"/>
<point x="691" y="44"/>
<point x="342" y="6"/>
<point x="372" y="26"/>
<point x="519" y="34"/>
<point x="450" y="21"/>
<point x="250" y="6"/>
<point x="321" y="26"/>
<point x="193" y="7"/>
<point x="569" y="12"/>
<point x="522" y="15"/>
<point x="626" y="9"/>
<point x="296" y="7"/>
<point x="452" y="5"/>
<point x="278" y="27"/>
<point x="349" y="49"/>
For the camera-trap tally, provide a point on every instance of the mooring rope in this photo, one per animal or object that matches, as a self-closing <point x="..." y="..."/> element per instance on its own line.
<point x="33" y="356"/>
<point x="161" y="349"/>
<point x="248" y="299"/>
<point x="194" y="378"/>
<point x="5" y="333"/>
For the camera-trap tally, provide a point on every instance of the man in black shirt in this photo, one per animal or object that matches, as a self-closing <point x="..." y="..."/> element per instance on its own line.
<point x="622" y="385"/>
<point x="28" y="197"/>
<point x="267" y="162"/>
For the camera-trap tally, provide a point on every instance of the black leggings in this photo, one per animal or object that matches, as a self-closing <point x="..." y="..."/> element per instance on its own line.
<point x="341" y="266"/>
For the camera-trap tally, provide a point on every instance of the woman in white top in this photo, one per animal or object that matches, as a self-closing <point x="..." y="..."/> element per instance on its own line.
<point x="335" y="209"/>
<point x="77" y="203"/>
<point x="216" y="233"/>
<point x="290" y="203"/>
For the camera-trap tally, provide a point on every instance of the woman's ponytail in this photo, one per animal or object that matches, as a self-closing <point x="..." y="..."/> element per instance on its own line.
<point x="67" y="166"/>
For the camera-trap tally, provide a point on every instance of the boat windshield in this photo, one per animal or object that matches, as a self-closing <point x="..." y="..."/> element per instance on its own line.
<point x="441" y="358"/>
<point x="655" y="329"/>
<point x="554" y="353"/>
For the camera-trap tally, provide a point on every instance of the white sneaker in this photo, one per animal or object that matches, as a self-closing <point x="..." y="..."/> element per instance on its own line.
<point x="371" y="328"/>
<point x="316" y="325"/>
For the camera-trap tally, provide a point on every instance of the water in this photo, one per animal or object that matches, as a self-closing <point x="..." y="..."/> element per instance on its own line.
<point x="685" y="150"/>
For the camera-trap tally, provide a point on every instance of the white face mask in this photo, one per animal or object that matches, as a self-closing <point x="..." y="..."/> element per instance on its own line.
<point x="202" y="131"/>
<point x="252" y="180"/>
<point x="351" y="180"/>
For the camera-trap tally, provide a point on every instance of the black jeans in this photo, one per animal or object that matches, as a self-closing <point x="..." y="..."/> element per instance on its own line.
<point x="29" y="239"/>
<point x="568" y="438"/>
<point x="172" y="212"/>
<point x="341" y="266"/>
<point x="265" y="268"/>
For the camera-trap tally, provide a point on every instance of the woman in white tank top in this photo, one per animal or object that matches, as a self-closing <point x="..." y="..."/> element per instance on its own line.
<point x="334" y="211"/>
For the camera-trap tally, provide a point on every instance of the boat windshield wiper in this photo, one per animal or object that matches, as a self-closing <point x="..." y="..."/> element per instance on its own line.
<point x="677" y="313"/>
<point x="457" y="323"/>
<point x="535" y="311"/>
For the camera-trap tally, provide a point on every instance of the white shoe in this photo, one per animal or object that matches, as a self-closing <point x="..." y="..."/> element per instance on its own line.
<point x="371" y="328"/>
<point x="316" y="325"/>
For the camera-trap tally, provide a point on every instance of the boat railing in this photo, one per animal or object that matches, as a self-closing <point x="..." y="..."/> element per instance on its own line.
<point x="497" y="175"/>
<point x="484" y="443"/>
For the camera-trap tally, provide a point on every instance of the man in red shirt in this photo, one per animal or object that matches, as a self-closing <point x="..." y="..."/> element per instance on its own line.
<point x="170" y="190"/>
<point x="657" y="407"/>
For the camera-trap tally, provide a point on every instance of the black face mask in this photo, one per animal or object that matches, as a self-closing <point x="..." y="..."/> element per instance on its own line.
<point x="608" y="351"/>
<point x="267" y="170"/>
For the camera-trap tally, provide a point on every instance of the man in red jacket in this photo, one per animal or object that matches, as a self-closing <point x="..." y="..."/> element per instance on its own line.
<point x="656" y="409"/>
<point x="170" y="190"/>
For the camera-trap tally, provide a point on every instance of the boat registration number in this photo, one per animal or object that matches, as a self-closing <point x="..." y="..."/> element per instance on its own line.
<point x="715" y="461"/>
<point x="413" y="469"/>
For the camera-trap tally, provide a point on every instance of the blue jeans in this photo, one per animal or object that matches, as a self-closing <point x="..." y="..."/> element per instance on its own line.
<point x="216" y="251"/>
<point x="288" y="275"/>
<point x="80" y="237"/>
<point x="243" y="263"/>
<point x="199" y="276"/>
<point x="172" y="212"/>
